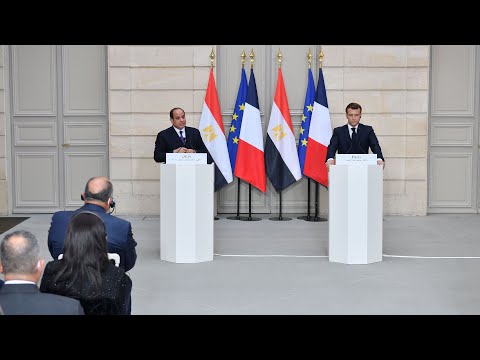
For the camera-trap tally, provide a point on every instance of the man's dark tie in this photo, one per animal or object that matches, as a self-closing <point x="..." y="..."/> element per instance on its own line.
<point x="181" y="137"/>
<point x="354" y="135"/>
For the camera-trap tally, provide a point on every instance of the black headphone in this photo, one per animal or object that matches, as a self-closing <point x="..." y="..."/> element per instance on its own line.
<point x="87" y="212"/>
<point x="112" y="202"/>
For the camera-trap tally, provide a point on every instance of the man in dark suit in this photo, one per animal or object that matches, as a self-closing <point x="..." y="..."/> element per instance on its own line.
<point x="22" y="266"/>
<point x="179" y="138"/>
<point x="98" y="199"/>
<point x="353" y="137"/>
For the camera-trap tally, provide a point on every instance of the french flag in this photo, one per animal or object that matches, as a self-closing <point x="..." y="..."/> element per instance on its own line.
<point x="213" y="135"/>
<point x="281" y="159"/>
<point x="318" y="136"/>
<point x="250" y="165"/>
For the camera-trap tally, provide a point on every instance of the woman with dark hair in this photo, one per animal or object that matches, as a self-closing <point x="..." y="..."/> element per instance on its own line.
<point x="85" y="272"/>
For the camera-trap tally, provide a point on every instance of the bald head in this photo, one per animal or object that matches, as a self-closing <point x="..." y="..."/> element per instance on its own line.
<point x="97" y="184"/>
<point x="20" y="256"/>
<point x="98" y="190"/>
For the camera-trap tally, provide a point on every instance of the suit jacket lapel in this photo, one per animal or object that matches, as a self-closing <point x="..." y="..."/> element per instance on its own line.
<point x="188" y="131"/>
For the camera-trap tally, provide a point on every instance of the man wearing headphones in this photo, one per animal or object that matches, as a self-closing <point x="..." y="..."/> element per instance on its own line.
<point x="98" y="199"/>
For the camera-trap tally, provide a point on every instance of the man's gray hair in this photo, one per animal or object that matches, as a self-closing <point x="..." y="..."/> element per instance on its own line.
<point x="19" y="257"/>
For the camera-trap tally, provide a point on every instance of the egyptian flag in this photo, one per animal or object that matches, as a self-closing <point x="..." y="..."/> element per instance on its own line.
<point x="281" y="159"/>
<point x="213" y="135"/>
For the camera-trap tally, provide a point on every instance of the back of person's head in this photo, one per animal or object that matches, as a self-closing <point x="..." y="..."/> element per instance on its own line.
<point x="98" y="188"/>
<point x="20" y="255"/>
<point x="85" y="253"/>
<point x="86" y="236"/>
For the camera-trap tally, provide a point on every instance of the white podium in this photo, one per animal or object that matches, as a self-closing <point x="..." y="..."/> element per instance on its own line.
<point x="355" y="234"/>
<point x="186" y="212"/>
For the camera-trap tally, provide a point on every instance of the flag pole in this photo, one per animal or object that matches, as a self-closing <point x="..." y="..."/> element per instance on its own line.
<point x="249" y="217"/>
<point x="308" y="217"/>
<point x="317" y="191"/>
<point x="317" y="204"/>
<point x="237" y="217"/>
<point x="280" y="217"/>
<point x="212" y="60"/>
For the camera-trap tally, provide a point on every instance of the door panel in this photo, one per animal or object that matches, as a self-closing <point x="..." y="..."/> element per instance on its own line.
<point x="34" y="80"/>
<point x="75" y="176"/>
<point x="84" y="86"/>
<point x="36" y="175"/>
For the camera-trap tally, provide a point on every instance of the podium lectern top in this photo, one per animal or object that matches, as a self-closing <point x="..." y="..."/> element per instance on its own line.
<point x="186" y="158"/>
<point x="356" y="159"/>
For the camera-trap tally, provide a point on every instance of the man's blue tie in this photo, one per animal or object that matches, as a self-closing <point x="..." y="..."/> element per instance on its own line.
<point x="355" y="148"/>
<point x="181" y="137"/>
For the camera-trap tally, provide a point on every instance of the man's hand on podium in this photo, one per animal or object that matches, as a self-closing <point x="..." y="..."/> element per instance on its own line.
<point x="332" y="162"/>
<point x="184" y="150"/>
<point x="329" y="162"/>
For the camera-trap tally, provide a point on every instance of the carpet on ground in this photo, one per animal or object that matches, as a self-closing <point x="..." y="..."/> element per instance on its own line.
<point x="8" y="222"/>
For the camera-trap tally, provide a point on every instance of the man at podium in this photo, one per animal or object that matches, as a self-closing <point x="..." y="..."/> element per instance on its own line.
<point x="179" y="138"/>
<point x="353" y="137"/>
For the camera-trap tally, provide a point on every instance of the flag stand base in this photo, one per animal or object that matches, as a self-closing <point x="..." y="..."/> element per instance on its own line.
<point x="248" y="218"/>
<point x="311" y="218"/>
<point x="280" y="218"/>
<point x="233" y="217"/>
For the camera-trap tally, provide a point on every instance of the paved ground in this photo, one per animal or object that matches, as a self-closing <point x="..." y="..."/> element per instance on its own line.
<point x="430" y="266"/>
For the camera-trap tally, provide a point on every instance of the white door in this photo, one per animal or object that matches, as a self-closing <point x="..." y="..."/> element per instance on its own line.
<point x="453" y="134"/>
<point x="58" y="124"/>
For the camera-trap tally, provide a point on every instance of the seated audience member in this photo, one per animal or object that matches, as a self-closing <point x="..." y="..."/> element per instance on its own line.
<point x="85" y="272"/>
<point x="98" y="199"/>
<point x="22" y="266"/>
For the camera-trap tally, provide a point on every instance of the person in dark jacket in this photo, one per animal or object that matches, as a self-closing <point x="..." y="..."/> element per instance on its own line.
<point x="22" y="266"/>
<point x="353" y="137"/>
<point x="85" y="272"/>
<point x="98" y="198"/>
<point x="179" y="138"/>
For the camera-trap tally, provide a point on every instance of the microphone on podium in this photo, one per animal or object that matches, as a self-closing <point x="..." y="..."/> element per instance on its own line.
<point x="189" y="144"/>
